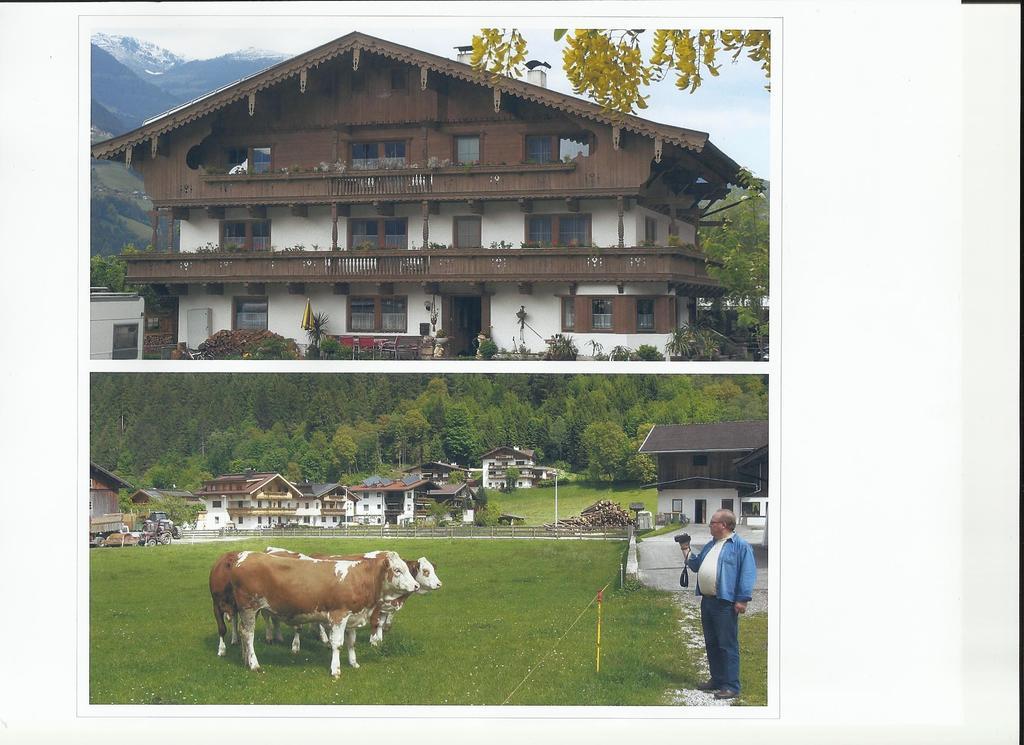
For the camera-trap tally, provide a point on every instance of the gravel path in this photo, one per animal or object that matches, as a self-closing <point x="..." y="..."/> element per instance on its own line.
<point x="660" y="563"/>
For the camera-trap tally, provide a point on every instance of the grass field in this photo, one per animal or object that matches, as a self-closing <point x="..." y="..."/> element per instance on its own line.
<point x="503" y="607"/>
<point x="537" y="505"/>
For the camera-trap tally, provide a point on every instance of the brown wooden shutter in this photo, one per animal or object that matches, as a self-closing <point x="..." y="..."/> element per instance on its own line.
<point x="485" y="313"/>
<point x="623" y="314"/>
<point x="583" y="311"/>
<point x="445" y="324"/>
<point x="664" y="314"/>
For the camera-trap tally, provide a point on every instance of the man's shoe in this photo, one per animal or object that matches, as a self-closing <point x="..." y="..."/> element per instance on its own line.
<point x="726" y="693"/>
<point x="708" y="685"/>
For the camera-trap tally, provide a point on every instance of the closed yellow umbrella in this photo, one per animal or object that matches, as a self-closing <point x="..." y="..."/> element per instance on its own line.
<point x="307" y="317"/>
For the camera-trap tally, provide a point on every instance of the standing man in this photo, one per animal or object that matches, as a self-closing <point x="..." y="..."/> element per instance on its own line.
<point x="725" y="582"/>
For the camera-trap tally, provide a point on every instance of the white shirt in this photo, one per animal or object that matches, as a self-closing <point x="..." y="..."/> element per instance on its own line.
<point x="707" y="575"/>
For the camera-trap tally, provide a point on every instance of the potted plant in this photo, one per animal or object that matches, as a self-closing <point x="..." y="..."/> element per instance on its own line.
<point x="440" y="343"/>
<point x="561" y="347"/>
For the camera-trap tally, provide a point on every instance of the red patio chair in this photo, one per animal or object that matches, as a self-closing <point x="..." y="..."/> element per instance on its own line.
<point x="366" y="344"/>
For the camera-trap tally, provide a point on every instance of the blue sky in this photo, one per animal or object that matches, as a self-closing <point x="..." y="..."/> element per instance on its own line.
<point x="733" y="108"/>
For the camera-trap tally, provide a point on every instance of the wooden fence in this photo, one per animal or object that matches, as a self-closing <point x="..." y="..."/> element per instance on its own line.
<point x="393" y="531"/>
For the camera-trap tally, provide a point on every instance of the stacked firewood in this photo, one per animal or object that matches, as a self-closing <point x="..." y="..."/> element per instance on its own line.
<point x="603" y="514"/>
<point x="226" y="343"/>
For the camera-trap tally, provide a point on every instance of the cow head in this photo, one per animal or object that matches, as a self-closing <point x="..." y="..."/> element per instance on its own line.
<point x="398" y="577"/>
<point x="425" y="574"/>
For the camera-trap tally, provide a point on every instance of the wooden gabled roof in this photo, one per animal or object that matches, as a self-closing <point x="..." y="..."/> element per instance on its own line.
<point x="219" y="99"/>
<point x="518" y="451"/>
<point x="100" y="473"/>
<point x="695" y="438"/>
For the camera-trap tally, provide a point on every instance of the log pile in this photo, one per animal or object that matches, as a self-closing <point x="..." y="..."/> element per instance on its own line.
<point x="227" y="344"/>
<point x="603" y="514"/>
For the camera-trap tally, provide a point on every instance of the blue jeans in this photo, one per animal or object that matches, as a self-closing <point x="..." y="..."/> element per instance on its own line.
<point x="722" y="641"/>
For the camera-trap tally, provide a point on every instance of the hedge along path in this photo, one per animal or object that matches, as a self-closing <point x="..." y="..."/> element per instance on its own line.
<point x="540" y="663"/>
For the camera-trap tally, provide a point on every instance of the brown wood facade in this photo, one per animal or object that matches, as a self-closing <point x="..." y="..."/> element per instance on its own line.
<point x="703" y="465"/>
<point x="361" y="121"/>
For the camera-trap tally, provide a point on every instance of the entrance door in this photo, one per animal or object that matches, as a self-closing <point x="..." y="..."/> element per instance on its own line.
<point x="700" y="508"/>
<point x="466" y="325"/>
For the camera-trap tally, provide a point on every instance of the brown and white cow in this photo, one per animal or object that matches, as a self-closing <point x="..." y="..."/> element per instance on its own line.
<point x="380" y="620"/>
<point x="224" y="599"/>
<point x="334" y="593"/>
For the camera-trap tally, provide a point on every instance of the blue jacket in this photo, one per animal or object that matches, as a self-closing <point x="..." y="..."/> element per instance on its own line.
<point x="736" y="569"/>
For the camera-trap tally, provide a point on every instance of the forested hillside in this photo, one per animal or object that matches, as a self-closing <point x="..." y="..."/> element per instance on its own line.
<point x="158" y="430"/>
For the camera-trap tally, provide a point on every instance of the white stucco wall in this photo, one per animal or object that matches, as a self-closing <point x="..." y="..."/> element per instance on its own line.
<point x="284" y="310"/>
<point x="501" y="221"/>
<point x="104" y="314"/>
<point x="543" y="313"/>
<point x="713" y="500"/>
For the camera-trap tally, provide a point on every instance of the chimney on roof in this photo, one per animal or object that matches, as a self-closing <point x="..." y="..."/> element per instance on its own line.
<point x="464" y="54"/>
<point x="536" y="74"/>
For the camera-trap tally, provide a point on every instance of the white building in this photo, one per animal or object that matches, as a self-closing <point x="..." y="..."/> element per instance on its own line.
<point x="115" y="325"/>
<point x="249" y="500"/>
<point x="498" y="462"/>
<point x="707" y="467"/>
<point x="398" y="502"/>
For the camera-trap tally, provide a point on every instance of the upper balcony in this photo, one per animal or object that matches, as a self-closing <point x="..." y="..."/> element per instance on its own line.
<point x="393" y="183"/>
<point x="567" y="264"/>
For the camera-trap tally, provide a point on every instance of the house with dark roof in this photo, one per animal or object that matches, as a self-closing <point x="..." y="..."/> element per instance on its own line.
<point x="438" y="471"/>
<point x="325" y="504"/>
<point x="707" y="467"/>
<point x="460" y="499"/>
<point x="498" y="462"/>
<point x="403" y="193"/>
<point x="249" y="499"/>
<point x="392" y="501"/>
<point x="152" y="496"/>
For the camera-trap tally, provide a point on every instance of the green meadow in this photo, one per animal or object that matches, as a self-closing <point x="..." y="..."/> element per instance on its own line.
<point x="537" y="505"/>
<point x="511" y="624"/>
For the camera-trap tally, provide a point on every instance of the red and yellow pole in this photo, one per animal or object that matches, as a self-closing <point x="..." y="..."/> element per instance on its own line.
<point x="600" y="598"/>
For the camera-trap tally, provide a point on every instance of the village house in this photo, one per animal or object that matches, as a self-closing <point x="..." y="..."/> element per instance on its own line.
<point x="326" y="505"/>
<point x="498" y="462"/>
<point x="393" y="502"/>
<point x="707" y="467"/>
<point x="150" y="499"/>
<point x="438" y="472"/>
<point x="250" y="500"/>
<point x="403" y="194"/>
<point x="460" y="499"/>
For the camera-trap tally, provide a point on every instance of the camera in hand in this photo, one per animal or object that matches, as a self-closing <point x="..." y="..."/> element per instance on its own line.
<point x="683" y="538"/>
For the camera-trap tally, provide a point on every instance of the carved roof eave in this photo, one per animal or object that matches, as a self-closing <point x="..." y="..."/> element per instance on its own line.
<point x="187" y="113"/>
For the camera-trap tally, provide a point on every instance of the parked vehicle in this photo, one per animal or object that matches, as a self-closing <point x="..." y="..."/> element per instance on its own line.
<point x="101" y="526"/>
<point x="120" y="539"/>
<point x="158" y="529"/>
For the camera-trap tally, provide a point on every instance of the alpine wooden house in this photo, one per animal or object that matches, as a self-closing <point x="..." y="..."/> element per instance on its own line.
<point x="403" y="192"/>
<point x="707" y="467"/>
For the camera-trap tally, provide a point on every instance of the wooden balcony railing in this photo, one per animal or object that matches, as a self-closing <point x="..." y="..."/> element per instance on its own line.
<point x="657" y="264"/>
<point x="368" y="184"/>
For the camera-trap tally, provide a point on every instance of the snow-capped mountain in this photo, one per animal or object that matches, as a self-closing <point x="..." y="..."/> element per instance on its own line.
<point x="141" y="57"/>
<point x="255" y="53"/>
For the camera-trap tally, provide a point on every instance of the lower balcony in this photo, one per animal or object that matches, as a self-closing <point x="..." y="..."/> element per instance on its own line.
<point x="637" y="264"/>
